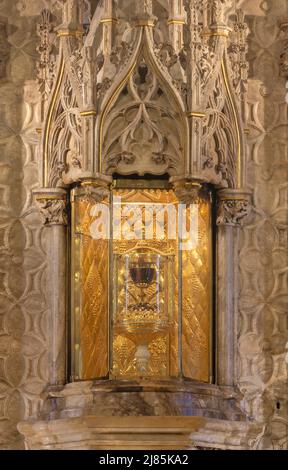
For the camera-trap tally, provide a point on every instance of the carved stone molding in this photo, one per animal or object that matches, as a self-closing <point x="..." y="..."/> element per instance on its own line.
<point x="233" y="207"/>
<point x="237" y="53"/>
<point x="52" y="204"/>
<point x="46" y="63"/>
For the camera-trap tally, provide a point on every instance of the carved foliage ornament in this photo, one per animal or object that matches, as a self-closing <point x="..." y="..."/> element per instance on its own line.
<point x="53" y="210"/>
<point x="187" y="191"/>
<point x="237" y="53"/>
<point x="93" y="194"/>
<point x="47" y="52"/>
<point x="233" y="211"/>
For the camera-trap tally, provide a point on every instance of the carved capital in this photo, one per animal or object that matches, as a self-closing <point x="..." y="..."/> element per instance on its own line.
<point x="233" y="207"/>
<point x="187" y="189"/>
<point x="94" y="190"/>
<point x="52" y="205"/>
<point x="47" y="60"/>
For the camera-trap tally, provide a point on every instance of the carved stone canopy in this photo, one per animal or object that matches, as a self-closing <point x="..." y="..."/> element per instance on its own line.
<point x="157" y="91"/>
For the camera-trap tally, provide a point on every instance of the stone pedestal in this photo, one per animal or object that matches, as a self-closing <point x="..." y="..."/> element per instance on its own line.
<point x="174" y="397"/>
<point x="111" y="433"/>
<point x="167" y="415"/>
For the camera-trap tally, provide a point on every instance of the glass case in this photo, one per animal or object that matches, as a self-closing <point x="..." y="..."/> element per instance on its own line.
<point x="141" y="285"/>
<point x="143" y="307"/>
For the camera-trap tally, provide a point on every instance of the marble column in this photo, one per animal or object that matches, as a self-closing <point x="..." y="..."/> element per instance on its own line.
<point x="232" y="207"/>
<point x="52" y="204"/>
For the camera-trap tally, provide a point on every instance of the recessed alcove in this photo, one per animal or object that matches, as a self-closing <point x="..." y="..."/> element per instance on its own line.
<point x="143" y="168"/>
<point x="142" y="283"/>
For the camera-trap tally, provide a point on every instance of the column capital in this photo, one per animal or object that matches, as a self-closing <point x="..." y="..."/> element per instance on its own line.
<point x="96" y="188"/>
<point x="52" y="205"/>
<point x="233" y="206"/>
<point x="187" y="188"/>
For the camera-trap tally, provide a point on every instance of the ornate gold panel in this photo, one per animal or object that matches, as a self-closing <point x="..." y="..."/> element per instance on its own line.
<point x="98" y="347"/>
<point x="197" y="300"/>
<point x="163" y="350"/>
<point x="91" y="299"/>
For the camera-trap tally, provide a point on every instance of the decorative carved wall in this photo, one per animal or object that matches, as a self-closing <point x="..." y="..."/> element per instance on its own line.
<point x="263" y="301"/>
<point x="23" y="310"/>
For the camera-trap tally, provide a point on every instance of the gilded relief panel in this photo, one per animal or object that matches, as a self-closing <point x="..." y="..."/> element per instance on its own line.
<point x="197" y="300"/>
<point x="148" y="207"/>
<point x="149" y="261"/>
<point x="90" y="303"/>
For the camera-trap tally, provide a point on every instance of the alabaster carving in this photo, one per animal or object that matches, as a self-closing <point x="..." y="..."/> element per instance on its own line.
<point x="148" y="93"/>
<point x="284" y="62"/>
<point x="148" y="138"/>
<point x="238" y="55"/>
<point x="144" y="101"/>
<point x="53" y="210"/>
<point x="93" y="191"/>
<point x="187" y="190"/>
<point x="232" y="212"/>
<point x="47" y="52"/>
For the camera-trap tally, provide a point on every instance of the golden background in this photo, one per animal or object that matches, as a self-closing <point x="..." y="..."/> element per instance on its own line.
<point x="91" y="329"/>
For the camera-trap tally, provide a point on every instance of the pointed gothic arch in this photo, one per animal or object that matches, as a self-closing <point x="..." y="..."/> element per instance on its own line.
<point x="169" y="105"/>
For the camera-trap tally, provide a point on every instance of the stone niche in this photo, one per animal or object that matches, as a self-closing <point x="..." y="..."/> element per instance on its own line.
<point x="144" y="119"/>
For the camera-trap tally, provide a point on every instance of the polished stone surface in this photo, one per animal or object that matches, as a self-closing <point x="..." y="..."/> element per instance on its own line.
<point x="137" y="433"/>
<point x="143" y="398"/>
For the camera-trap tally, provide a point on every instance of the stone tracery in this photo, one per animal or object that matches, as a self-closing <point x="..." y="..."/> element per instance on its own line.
<point x="92" y="65"/>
